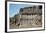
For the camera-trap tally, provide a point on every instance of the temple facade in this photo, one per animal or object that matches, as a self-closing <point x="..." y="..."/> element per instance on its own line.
<point x="30" y="15"/>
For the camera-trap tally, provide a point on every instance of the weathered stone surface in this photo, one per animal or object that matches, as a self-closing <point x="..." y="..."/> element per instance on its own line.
<point x="28" y="18"/>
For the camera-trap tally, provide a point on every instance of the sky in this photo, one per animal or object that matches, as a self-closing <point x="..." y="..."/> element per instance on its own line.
<point x="14" y="8"/>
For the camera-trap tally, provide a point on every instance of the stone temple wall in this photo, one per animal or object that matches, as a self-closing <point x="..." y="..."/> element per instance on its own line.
<point x="35" y="20"/>
<point x="28" y="17"/>
<point x="31" y="16"/>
